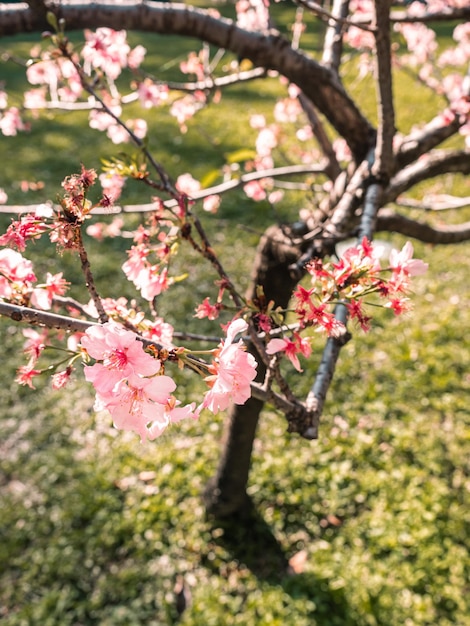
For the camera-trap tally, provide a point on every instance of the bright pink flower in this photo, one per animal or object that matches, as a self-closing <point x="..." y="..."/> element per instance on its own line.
<point x="356" y="312"/>
<point x="151" y="282"/>
<point x="399" y="305"/>
<point x="158" y="330"/>
<point x="136" y="263"/>
<point x="119" y="350"/>
<point x="19" y="232"/>
<point x="234" y="370"/>
<point x="206" y="309"/>
<point x="291" y="348"/>
<point x="264" y="322"/>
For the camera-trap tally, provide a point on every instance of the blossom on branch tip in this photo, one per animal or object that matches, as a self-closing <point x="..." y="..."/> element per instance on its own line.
<point x="206" y="309"/>
<point x="403" y="261"/>
<point x="300" y="345"/>
<point x="233" y="371"/>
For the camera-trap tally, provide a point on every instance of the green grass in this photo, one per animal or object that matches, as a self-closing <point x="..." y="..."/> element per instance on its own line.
<point x="98" y="529"/>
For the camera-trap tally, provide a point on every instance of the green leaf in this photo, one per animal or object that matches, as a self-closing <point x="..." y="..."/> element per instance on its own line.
<point x="209" y="178"/>
<point x="244" y="154"/>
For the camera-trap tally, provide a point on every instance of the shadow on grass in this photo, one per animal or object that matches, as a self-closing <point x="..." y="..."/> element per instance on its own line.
<point x="247" y="537"/>
<point x="251" y="542"/>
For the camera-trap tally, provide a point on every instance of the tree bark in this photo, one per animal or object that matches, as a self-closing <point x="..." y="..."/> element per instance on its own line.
<point x="226" y="494"/>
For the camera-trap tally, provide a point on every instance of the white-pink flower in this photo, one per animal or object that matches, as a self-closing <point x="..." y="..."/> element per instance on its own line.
<point x="106" y="49"/>
<point x="234" y="370"/>
<point x="403" y="261"/>
<point x="11" y="122"/>
<point x="188" y="185"/>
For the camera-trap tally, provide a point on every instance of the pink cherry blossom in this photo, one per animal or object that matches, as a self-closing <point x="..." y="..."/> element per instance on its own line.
<point x="106" y="49"/>
<point x="206" y="309"/>
<point x="158" y="330"/>
<point x="188" y="185"/>
<point x="15" y="267"/>
<point x="36" y="342"/>
<point x="60" y="379"/>
<point x="193" y="65"/>
<point x="252" y="14"/>
<point x="152" y="282"/>
<point x="266" y="141"/>
<point x="234" y="370"/>
<point x="136" y="56"/>
<point x="112" y="184"/>
<point x="35" y="99"/>
<point x="255" y="190"/>
<point x="151" y="94"/>
<point x="183" y="109"/>
<point x="43" y="295"/>
<point x="300" y="345"/>
<point x="11" y="122"/>
<point x="137" y="402"/>
<point x="26" y="373"/>
<point x="44" y="72"/>
<point x="211" y="203"/>
<point x="403" y="261"/>
<point x="119" y="350"/>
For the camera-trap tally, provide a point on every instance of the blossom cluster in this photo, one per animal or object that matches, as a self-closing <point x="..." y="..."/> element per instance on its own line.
<point x="351" y="280"/>
<point x="131" y="385"/>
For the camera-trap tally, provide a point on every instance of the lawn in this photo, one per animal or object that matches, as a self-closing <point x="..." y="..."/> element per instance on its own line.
<point x="99" y="529"/>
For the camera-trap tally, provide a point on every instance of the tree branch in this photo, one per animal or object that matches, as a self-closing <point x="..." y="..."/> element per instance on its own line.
<point x="388" y="220"/>
<point x="435" y="163"/>
<point x="384" y="158"/>
<point x="419" y="142"/>
<point x="333" y="42"/>
<point x="446" y="15"/>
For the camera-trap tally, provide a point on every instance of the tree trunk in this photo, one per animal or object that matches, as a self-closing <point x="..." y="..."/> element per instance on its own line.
<point x="226" y="494"/>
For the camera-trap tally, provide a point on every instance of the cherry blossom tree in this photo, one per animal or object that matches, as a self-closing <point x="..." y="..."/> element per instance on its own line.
<point x="361" y="170"/>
